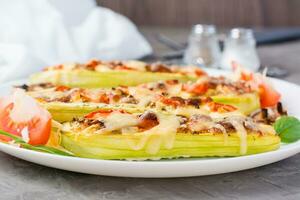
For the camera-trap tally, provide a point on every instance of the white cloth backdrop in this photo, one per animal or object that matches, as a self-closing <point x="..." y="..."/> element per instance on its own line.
<point x="38" y="33"/>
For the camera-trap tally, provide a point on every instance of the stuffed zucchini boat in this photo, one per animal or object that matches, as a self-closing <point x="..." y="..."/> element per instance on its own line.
<point x="97" y="74"/>
<point x="208" y="94"/>
<point x="117" y="134"/>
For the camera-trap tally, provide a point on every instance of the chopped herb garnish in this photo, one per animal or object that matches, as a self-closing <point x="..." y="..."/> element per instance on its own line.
<point x="41" y="148"/>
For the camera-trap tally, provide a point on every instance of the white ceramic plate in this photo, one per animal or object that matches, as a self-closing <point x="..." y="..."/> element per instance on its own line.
<point x="167" y="168"/>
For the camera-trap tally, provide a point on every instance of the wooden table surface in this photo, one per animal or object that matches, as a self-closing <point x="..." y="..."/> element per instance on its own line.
<point x="281" y="180"/>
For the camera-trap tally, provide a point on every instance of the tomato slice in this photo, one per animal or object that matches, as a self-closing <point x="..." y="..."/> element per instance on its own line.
<point x="20" y="114"/>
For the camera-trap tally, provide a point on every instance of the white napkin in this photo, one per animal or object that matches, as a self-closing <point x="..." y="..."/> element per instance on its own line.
<point x="39" y="33"/>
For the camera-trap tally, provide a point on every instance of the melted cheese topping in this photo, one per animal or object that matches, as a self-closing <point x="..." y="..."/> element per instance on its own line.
<point x="174" y="90"/>
<point x="69" y="66"/>
<point x="103" y="68"/>
<point x="138" y="65"/>
<point x="186" y="111"/>
<point x="242" y="133"/>
<point x="198" y="126"/>
<point x="223" y="114"/>
<point x="160" y="135"/>
<point x="266" y="129"/>
<point x="143" y="95"/>
<point x="51" y="93"/>
<point x="117" y="121"/>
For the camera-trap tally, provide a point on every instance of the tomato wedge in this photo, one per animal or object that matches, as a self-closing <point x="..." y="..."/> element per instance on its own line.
<point x="22" y="116"/>
<point x="269" y="97"/>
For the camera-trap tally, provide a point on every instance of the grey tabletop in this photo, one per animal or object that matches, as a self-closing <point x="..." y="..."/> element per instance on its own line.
<point x="281" y="180"/>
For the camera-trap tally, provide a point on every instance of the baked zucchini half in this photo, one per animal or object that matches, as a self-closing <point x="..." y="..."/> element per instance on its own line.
<point x="92" y="79"/>
<point x="185" y="145"/>
<point x="117" y="134"/>
<point x="64" y="103"/>
<point x="95" y="74"/>
<point x="63" y="112"/>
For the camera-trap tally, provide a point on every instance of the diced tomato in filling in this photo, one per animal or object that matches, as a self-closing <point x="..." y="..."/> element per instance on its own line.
<point x="148" y="120"/>
<point x="102" y="113"/>
<point x="114" y="97"/>
<point x="103" y="98"/>
<point x="200" y="72"/>
<point x="175" y="102"/>
<point x="62" y="88"/>
<point x="246" y="76"/>
<point x="219" y="107"/>
<point x="172" y="82"/>
<point x="196" y="88"/>
<point x="98" y="113"/>
<point x="93" y="64"/>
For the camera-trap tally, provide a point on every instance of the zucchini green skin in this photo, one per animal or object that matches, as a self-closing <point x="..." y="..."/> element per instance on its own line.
<point x="185" y="145"/>
<point x="92" y="79"/>
<point x="67" y="111"/>
<point x="63" y="112"/>
<point x="245" y="103"/>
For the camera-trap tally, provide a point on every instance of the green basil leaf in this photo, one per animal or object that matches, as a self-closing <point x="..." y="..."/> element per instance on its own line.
<point x="288" y="128"/>
<point x="291" y="135"/>
<point x="284" y="123"/>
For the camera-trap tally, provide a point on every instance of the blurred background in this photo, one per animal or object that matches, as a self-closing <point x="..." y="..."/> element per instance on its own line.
<point x="40" y="33"/>
<point x="167" y="26"/>
<point x="223" y="13"/>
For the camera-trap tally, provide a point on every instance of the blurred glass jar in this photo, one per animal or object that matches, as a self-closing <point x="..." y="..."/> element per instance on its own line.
<point x="240" y="47"/>
<point x="203" y="47"/>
